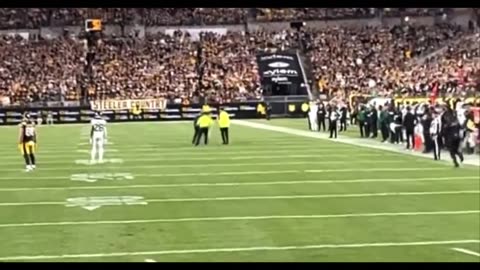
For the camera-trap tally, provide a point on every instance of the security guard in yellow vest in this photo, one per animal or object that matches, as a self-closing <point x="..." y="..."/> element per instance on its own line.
<point x="224" y="124"/>
<point x="260" y="110"/>
<point x="204" y="122"/>
<point x="136" y="111"/>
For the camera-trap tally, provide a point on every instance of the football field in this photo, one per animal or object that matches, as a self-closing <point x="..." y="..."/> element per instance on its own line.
<point x="269" y="196"/>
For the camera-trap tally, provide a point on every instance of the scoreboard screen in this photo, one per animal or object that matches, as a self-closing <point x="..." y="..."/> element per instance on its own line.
<point x="93" y="25"/>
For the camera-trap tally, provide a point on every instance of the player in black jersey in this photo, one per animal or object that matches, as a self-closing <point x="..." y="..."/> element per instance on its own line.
<point x="27" y="139"/>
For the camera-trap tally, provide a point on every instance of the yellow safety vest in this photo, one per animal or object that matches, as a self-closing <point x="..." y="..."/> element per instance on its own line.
<point x="223" y="120"/>
<point x="260" y="109"/>
<point x="204" y="121"/>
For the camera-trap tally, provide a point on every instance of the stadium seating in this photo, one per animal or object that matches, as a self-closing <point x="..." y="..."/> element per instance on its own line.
<point x="380" y="60"/>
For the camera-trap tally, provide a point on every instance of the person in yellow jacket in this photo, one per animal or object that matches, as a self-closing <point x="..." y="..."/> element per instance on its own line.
<point x="204" y="122"/>
<point x="260" y="110"/>
<point x="224" y="124"/>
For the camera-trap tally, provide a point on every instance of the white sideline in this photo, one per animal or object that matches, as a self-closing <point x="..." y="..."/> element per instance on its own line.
<point x="467" y="251"/>
<point x="276" y="197"/>
<point x="238" y="249"/>
<point x="234" y="184"/>
<point x="340" y="139"/>
<point x="206" y="219"/>
<point x="231" y="172"/>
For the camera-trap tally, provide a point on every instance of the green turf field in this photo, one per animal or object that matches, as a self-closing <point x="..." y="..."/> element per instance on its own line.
<point x="268" y="196"/>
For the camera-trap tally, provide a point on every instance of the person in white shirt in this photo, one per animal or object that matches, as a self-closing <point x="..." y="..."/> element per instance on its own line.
<point x="98" y="137"/>
<point x="312" y="115"/>
<point x="435" y="132"/>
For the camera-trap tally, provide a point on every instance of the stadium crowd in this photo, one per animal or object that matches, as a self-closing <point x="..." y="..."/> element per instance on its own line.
<point x="11" y="18"/>
<point x="379" y="61"/>
<point x="372" y="60"/>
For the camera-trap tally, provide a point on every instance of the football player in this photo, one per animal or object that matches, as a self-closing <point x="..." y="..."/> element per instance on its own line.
<point x="98" y="137"/>
<point x="27" y="139"/>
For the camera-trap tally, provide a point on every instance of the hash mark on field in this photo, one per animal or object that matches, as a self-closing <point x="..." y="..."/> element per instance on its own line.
<point x="126" y="176"/>
<point x="467" y="251"/>
<point x="87" y="143"/>
<point x="251" y="218"/>
<point x="106" y="150"/>
<point x="105" y="161"/>
<point x="237" y="249"/>
<point x="278" y="197"/>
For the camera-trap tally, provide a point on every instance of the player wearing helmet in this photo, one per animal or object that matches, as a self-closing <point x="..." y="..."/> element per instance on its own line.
<point x="27" y="140"/>
<point x="98" y="137"/>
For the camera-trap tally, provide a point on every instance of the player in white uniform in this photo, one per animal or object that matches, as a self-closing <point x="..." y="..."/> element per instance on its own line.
<point x="98" y="137"/>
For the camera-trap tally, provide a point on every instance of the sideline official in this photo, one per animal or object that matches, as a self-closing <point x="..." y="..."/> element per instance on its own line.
<point x="203" y="122"/>
<point x="224" y="124"/>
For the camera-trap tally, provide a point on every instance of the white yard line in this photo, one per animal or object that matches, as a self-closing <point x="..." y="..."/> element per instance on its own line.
<point x="467" y="251"/>
<point x="212" y="165"/>
<point x="28" y="177"/>
<point x="127" y="167"/>
<point x="235" y="184"/>
<point x="213" y="157"/>
<point x="341" y="139"/>
<point x="207" y="219"/>
<point x="276" y="197"/>
<point x="236" y="249"/>
<point x="209" y="148"/>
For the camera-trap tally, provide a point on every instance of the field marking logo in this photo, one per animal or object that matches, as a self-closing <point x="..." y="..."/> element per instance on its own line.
<point x="279" y="65"/>
<point x="94" y="177"/>
<point x="92" y="203"/>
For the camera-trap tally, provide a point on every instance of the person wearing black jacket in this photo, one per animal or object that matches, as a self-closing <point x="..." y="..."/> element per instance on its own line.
<point x="196" y="129"/>
<point x="453" y="139"/>
<point x="426" y="123"/>
<point x="334" y="116"/>
<point x="343" y="119"/>
<point x="384" y="122"/>
<point x="368" y="122"/>
<point x="397" y="130"/>
<point x="268" y="110"/>
<point x="321" y="113"/>
<point x="409" y="122"/>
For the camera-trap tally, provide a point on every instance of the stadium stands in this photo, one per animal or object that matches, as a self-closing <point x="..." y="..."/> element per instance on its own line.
<point x="377" y="60"/>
